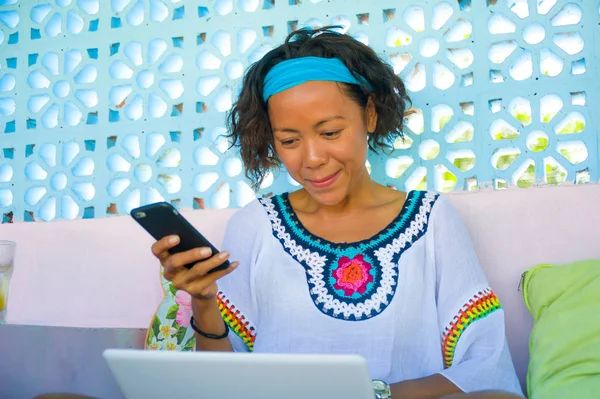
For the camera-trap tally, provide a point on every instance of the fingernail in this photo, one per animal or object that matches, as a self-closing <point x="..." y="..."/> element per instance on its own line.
<point x="205" y="252"/>
<point x="173" y="240"/>
<point x="223" y="255"/>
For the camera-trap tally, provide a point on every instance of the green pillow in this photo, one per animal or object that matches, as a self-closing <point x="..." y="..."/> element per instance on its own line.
<point x="564" y="346"/>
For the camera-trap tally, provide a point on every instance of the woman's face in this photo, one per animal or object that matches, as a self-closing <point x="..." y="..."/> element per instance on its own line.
<point x="321" y="137"/>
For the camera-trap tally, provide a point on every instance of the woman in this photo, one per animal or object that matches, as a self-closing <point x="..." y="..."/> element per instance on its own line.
<point x="344" y="265"/>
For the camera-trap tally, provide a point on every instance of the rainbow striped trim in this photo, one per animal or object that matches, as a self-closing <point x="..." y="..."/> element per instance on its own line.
<point x="236" y="321"/>
<point x="481" y="305"/>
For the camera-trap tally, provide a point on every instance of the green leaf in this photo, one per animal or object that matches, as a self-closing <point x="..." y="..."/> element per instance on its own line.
<point x="449" y="181"/>
<point x="506" y="134"/>
<point x="548" y="117"/>
<point x="432" y="153"/>
<point x="172" y="312"/>
<point x="572" y="127"/>
<point x="528" y="178"/>
<point x="189" y="345"/>
<point x="504" y="161"/>
<point x="465" y="136"/>
<point x="423" y="184"/>
<point x="523" y="118"/>
<point x="172" y="289"/>
<point x="555" y="175"/>
<point x="156" y="326"/>
<point x="464" y="164"/>
<point x="540" y="145"/>
<point x="401" y="169"/>
<point x="180" y="335"/>
<point x="443" y="120"/>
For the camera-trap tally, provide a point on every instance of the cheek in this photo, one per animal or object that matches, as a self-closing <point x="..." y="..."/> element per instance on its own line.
<point x="356" y="151"/>
<point x="291" y="159"/>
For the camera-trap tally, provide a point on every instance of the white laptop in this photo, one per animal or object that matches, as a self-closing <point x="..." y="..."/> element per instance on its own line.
<point x="228" y="375"/>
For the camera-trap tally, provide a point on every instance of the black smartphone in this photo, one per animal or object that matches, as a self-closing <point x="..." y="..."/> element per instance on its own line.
<point x="162" y="219"/>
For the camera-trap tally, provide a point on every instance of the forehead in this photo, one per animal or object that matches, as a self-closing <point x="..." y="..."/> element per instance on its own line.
<point x="310" y="100"/>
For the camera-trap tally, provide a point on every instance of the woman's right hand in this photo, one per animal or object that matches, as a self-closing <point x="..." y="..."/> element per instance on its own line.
<point x="197" y="281"/>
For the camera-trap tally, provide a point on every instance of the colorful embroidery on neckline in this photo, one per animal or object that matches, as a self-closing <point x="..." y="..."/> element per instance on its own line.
<point x="351" y="281"/>
<point x="482" y="304"/>
<point x="236" y="321"/>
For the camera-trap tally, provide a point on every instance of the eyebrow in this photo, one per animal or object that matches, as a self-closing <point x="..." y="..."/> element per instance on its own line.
<point x="315" y="126"/>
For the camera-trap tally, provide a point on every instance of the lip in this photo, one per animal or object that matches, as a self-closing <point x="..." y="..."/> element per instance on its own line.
<point x="326" y="182"/>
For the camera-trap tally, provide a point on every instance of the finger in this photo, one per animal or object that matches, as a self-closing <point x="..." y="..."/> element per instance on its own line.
<point x="192" y="256"/>
<point x="203" y="268"/>
<point x="175" y="265"/>
<point x="160" y="248"/>
<point x="181" y="276"/>
<point x="217" y="276"/>
<point x="203" y="282"/>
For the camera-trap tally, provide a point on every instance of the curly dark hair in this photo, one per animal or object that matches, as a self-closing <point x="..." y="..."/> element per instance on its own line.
<point x="248" y="121"/>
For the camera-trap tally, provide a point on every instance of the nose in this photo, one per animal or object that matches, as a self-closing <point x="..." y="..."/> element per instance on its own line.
<point x="314" y="154"/>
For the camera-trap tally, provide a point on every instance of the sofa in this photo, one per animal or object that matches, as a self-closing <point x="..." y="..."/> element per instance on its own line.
<point x="81" y="286"/>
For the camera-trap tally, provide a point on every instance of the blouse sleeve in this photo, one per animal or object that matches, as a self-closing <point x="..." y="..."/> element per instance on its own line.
<point x="236" y="296"/>
<point x="471" y="319"/>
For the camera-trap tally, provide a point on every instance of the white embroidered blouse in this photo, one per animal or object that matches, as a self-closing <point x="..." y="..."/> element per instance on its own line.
<point x="412" y="300"/>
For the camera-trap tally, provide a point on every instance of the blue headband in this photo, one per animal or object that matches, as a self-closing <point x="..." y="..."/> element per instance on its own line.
<point x="294" y="72"/>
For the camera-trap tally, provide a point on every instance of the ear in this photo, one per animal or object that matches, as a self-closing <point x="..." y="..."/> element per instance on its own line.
<point x="371" y="116"/>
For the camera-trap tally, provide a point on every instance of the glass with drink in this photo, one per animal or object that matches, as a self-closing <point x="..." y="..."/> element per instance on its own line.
<point x="7" y="260"/>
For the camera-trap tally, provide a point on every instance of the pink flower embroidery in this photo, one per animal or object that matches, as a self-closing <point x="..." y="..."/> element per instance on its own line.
<point x="352" y="275"/>
<point x="184" y="300"/>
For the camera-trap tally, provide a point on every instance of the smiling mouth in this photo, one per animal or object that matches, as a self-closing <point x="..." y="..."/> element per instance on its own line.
<point x="326" y="182"/>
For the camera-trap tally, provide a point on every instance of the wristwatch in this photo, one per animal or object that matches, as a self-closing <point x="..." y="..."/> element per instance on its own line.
<point x="382" y="389"/>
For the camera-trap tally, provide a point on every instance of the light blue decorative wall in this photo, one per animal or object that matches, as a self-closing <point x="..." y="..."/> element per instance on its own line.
<point x="106" y="105"/>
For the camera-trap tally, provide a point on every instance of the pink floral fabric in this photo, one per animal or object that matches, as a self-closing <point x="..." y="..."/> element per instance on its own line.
<point x="184" y="300"/>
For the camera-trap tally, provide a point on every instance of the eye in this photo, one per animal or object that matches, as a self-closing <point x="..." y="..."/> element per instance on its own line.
<point x="287" y="143"/>
<point x="332" y="134"/>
